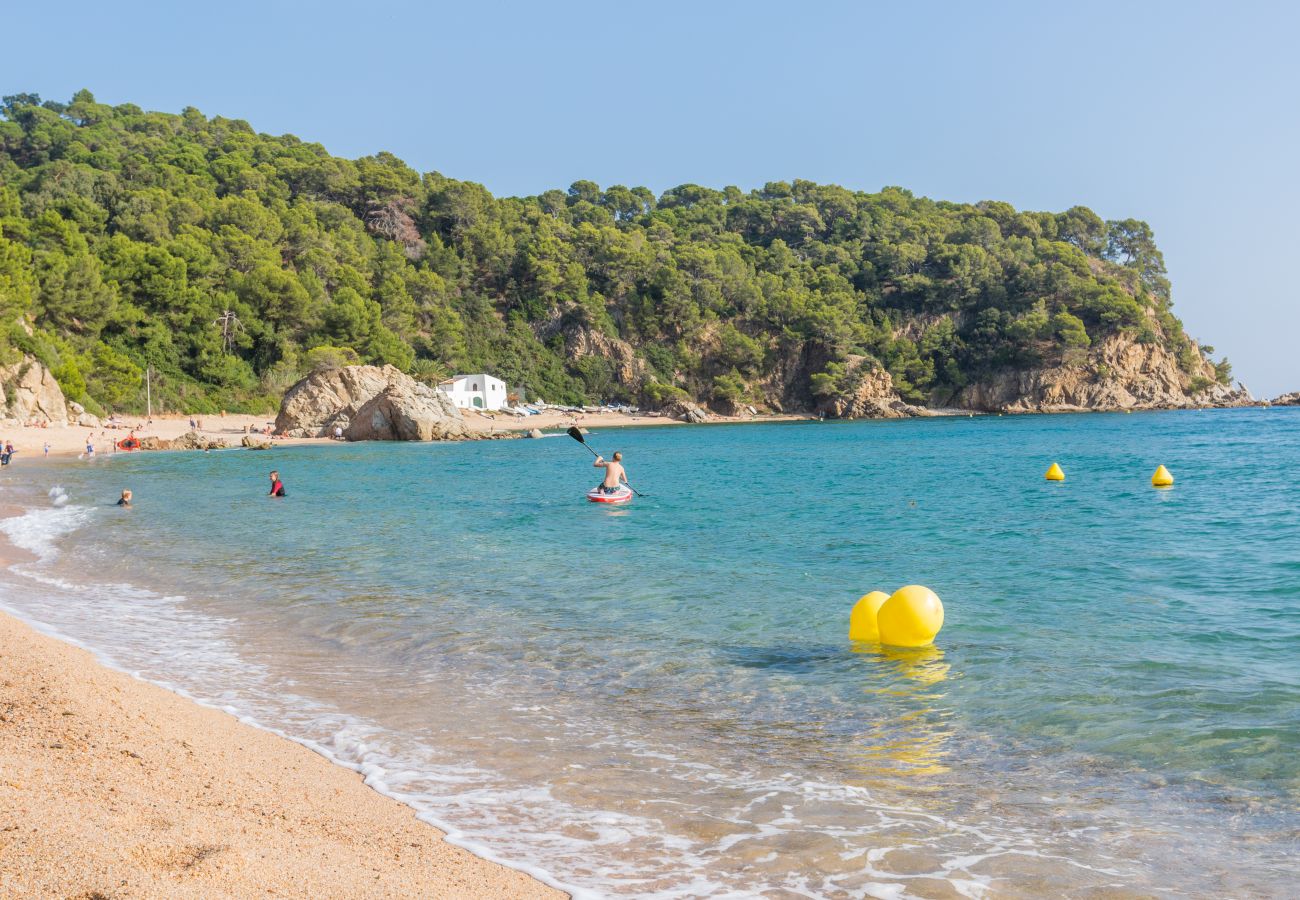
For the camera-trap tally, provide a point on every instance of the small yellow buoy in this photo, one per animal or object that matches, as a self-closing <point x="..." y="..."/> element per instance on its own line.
<point x="1162" y="478"/>
<point x="862" y="619"/>
<point x="911" y="617"/>
<point x="1055" y="473"/>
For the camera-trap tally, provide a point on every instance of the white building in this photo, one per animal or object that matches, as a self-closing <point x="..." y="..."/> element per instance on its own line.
<point x="475" y="391"/>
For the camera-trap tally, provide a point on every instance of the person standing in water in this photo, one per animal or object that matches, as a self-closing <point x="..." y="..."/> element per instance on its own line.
<point x="615" y="475"/>
<point x="277" y="486"/>
<point x="125" y="499"/>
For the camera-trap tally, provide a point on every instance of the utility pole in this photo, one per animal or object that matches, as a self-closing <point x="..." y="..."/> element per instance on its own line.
<point x="148" y="390"/>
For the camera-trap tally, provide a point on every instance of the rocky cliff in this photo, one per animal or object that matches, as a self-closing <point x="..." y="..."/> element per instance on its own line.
<point x="1119" y="373"/>
<point x="370" y="404"/>
<point x="582" y="341"/>
<point x="866" y="392"/>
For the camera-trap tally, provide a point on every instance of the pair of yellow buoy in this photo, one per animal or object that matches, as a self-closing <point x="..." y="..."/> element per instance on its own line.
<point x="909" y="617"/>
<point x="1161" y="478"/>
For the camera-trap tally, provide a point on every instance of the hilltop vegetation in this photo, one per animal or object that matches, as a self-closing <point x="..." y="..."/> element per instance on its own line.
<point x="234" y="262"/>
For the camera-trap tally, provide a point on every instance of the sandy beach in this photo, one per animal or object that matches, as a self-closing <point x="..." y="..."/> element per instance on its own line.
<point x="71" y="440"/>
<point x="111" y="787"/>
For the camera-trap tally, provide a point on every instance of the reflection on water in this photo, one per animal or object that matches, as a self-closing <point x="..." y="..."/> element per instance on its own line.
<point x="909" y="737"/>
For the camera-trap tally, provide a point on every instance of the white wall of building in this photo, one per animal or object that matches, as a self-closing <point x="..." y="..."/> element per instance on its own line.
<point x="479" y="391"/>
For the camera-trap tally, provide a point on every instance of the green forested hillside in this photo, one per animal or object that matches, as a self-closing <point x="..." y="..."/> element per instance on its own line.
<point x="234" y="262"/>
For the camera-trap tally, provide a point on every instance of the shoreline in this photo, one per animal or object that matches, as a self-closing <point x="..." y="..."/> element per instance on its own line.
<point x="116" y="786"/>
<point x="68" y="441"/>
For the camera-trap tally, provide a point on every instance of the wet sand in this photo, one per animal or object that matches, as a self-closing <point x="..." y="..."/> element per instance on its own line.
<point x="111" y="787"/>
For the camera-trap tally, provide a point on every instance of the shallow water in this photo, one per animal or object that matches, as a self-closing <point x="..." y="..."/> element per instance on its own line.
<point x="660" y="699"/>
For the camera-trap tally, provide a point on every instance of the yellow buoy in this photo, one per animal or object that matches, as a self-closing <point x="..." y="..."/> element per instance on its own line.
<point x="1162" y="478"/>
<point x="1055" y="473"/>
<point x="862" y="619"/>
<point x="911" y="617"/>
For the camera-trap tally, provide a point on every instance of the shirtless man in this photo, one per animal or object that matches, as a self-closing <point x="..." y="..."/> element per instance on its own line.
<point x="614" y="473"/>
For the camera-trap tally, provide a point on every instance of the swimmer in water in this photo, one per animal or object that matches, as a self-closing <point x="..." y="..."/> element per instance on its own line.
<point x="125" y="499"/>
<point x="277" y="486"/>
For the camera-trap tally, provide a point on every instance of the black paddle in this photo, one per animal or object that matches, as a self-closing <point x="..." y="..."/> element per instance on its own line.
<point x="576" y="433"/>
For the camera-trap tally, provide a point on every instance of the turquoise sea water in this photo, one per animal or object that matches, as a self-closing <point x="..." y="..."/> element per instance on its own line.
<point x="661" y="699"/>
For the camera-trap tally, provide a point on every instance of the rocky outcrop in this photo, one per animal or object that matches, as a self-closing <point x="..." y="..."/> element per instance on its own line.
<point x="255" y="442"/>
<point x="1119" y="373"/>
<point x="193" y="440"/>
<point x="1291" y="399"/>
<point x="370" y="404"/>
<point x="393" y="221"/>
<point x="581" y="340"/>
<point x="407" y="411"/>
<point x="31" y="394"/>
<point x="867" y="392"/>
<point x="686" y="411"/>
<point x="1222" y="396"/>
<point x="313" y="406"/>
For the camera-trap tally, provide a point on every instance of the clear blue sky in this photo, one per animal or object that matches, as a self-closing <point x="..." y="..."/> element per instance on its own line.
<point x="1184" y="114"/>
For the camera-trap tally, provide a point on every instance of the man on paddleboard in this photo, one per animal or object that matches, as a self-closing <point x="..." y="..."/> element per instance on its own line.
<point x="614" y="473"/>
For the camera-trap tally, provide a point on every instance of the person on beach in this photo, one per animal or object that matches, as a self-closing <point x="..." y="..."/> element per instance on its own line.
<point x="277" y="486"/>
<point x="47" y="449"/>
<point x="615" y="475"/>
<point x="125" y="499"/>
<point x="90" y="449"/>
<point x="6" y="453"/>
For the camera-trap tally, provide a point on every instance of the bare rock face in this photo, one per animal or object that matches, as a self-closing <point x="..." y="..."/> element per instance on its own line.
<point x="686" y="411"/>
<point x="1118" y="373"/>
<point x="1291" y="399"/>
<point x="31" y="393"/>
<point x="407" y="411"/>
<point x="868" y="394"/>
<point x="371" y="404"/>
<point x="393" y="221"/>
<point x="581" y="340"/>
<point x="255" y="442"/>
<point x="1223" y="396"/>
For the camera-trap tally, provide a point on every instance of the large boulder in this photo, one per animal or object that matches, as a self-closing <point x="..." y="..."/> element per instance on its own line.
<point x="1291" y="399"/>
<point x="407" y="411"/>
<point x="32" y="394"/>
<point x="686" y="411"/>
<point x="370" y="403"/>
<point x="193" y="440"/>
